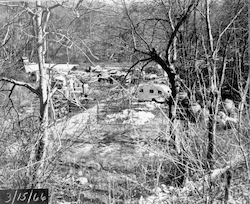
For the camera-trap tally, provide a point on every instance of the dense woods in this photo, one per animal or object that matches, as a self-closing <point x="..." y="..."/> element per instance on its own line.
<point x="198" y="49"/>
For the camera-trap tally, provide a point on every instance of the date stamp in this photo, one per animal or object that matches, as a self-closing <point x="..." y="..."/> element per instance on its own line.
<point x="24" y="196"/>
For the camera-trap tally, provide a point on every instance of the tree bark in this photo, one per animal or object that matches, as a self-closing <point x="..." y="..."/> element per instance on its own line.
<point x="213" y="103"/>
<point x="41" y="149"/>
<point x="248" y="54"/>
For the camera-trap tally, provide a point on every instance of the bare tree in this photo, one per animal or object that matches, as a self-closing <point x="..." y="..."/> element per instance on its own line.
<point x="216" y="82"/>
<point x="167" y="58"/>
<point x="40" y="14"/>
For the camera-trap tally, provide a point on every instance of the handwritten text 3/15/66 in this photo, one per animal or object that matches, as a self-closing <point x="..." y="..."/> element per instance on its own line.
<point x="24" y="196"/>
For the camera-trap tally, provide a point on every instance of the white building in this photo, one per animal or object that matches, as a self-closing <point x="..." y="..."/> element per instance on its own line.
<point x="153" y="92"/>
<point x="33" y="67"/>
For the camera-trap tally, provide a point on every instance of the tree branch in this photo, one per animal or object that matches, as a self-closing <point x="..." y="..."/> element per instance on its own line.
<point x="178" y="25"/>
<point x="141" y="60"/>
<point x="20" y="83"/>
<point x="133" y="26"/>
<point x="209" y="29"/>
<point x="225" y="29"/>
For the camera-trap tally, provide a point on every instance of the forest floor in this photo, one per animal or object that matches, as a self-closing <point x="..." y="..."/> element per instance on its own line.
<point x="125" y="158"/>
<point x="102" y="158"/>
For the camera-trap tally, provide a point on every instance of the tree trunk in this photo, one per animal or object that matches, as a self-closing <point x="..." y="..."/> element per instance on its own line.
<point x="213" y="92"/>
<point x="41" y="149"/>
<point x="248" y="54"/>
<point x="210" y="148"/>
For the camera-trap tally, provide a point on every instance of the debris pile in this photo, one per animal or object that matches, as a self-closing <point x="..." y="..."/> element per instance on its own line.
<point x="128" y="116"/>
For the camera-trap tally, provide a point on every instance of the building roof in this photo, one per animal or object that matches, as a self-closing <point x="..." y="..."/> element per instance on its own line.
<point x="163" y="87"/>
<point x="60" y="78"/>
<point x="33" y="67"/>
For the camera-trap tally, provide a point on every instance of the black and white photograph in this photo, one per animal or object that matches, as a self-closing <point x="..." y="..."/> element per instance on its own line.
<point x="124" y="102"/>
